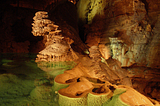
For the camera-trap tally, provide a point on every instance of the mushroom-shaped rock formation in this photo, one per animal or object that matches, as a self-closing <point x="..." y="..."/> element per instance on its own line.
<point x="95" y="92"/>
<point x="76" y="89"/>
<point x="87" y="86"/>
<point x="76" y="93"/>
<point x="57" y="47"/>
<point x="98" y="96"/>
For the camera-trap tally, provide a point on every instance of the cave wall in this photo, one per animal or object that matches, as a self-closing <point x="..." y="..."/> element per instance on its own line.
<point x="131" y="27"/>
<point x="16" y="24"/>
<point x="15" y="29"/>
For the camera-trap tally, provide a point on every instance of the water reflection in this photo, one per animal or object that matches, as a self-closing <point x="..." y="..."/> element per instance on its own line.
<point x="55" y="68"/>
<point x="26" y="83"/>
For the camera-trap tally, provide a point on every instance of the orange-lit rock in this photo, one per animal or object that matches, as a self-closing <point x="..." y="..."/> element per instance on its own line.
<point x="78" y="88"/>
<point x="88" y="92"/>
<point x="135" y="22"/>
<point x="135" y="26"/>
<point x="132" y="97"/>
<point x="57" y="47"/>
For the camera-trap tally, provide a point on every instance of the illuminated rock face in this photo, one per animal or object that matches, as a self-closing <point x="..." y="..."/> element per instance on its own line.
<point x="57" y="47"/>
<point x="134" y="22"/>
<point x="130" y="29"/>
<point x="121" y="52"/>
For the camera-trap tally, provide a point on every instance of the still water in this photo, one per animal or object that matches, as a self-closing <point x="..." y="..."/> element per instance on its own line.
<point x="26" y="83"/>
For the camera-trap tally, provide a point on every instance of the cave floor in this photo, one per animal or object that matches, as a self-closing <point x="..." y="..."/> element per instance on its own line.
<point x="24" y="83"/>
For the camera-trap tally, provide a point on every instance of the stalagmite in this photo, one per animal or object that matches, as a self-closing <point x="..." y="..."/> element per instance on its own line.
<point x="56" y="44"/>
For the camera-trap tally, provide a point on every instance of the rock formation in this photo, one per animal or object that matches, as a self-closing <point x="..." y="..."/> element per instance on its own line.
<point x="94" y="92"/>
<point x="92" y="75"/>
<point x="57" y="47"/>
<point x="116" y="37"/>
<point x="134" y="22"/>
<point x="130" y="29"/>
<point x="121" y="52"/>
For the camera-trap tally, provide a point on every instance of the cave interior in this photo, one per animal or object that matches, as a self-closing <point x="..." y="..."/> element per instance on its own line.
<point x="114" y="43"/>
